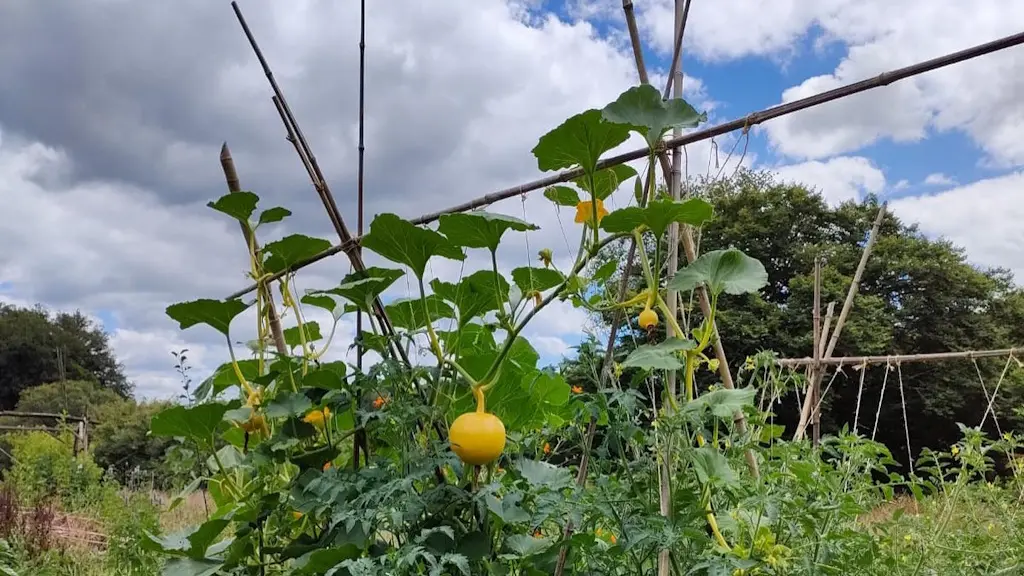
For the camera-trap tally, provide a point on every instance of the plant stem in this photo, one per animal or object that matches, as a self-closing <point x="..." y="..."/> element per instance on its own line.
<point x="507" y="345"/>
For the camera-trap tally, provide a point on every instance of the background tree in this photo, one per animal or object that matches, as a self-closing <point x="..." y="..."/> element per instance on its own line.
<point x="918" y="295"/>
<point x="29" y="342"/>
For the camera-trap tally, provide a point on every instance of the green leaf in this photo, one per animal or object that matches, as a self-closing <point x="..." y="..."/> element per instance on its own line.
<point x="529" y="279"/>
<point x="288" y="251"/>
<point x="408" y="313"/>
<point x="310" y="328"/>
<point x="642" y="108"/>
<point x="525" y="545"/>
<point x="288" y="404"/>
<point x="722" y="403"/>
<point x="508" y="508"/>
<point x="474" y="295"/>
<point x="658" y="215"/>
<point x="661" y="356"/>
<point x="551" y="388"/>
<point x="480" y="229"/>
<point x="325" y="302"/>
<point x="579" y="141"/>
<point x="275" y="214"/>
<point x="543" y="475"/>
<point x="191" y="567"/>
<point x="217" y="314"/>
<point x="197" y="422"/>
<point x="606" y="181"/>
<point x="190" y="542"/>
<point x="224" y="377"/>
<point x="321" y="560"/>
<point x="605" y="271"/>
<point x="238" y="205"/>
<point x="729" y="271"/>
<point x="362" y="288"/>
<point x="403" y="242"/>
<point x="329" y="376"/>
<point x="712" y="466"/>
<point x="562" y="195"/>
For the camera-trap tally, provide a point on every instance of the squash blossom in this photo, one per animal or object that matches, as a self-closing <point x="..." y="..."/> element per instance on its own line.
<point x="317" y="417"/>
<point x="577" y="390"/>
<point x="585" y="212"/>
<point x="545" y="256"/>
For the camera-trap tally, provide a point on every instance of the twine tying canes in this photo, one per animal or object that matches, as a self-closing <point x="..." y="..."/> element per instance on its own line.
<point x="860" y="392"/>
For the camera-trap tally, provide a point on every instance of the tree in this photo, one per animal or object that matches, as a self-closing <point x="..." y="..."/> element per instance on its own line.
<point x="30" y="339"/>
<point x="918" y="295"/>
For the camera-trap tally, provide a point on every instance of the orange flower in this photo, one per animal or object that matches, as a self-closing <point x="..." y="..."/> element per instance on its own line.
<point x="327" y="466"/>
<point x="379" y="401"/>
<point x="547" y="448"/>
<point x="612" y="538"/>
<point x="296" y="514"/>
<point x="577" y="389"/>
<point x="585" y="212"/>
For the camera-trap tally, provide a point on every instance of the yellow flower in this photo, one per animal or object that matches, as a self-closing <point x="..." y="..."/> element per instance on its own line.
<point x="955" y="450"/>
<point x="547" y="448"/>
<point x="296" y="514"/>
<point x="545" y="256"/>
<point x="577" y="390"/>
<point x="585" y="212"/>
<point x="317" y="417"/>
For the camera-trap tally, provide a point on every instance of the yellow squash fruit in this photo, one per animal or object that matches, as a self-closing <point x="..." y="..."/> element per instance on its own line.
<point x="477" y="438"/>
<point x="648" y="318"/>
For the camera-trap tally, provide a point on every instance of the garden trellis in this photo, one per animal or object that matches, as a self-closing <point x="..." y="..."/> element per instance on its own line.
<point x="679" y="227"/>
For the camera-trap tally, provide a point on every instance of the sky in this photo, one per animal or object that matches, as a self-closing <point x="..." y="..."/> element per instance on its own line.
<point x="112" y="114"/>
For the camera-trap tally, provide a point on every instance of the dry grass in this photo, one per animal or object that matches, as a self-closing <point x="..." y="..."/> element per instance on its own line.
<point x="194" y="510"/>
<point x="885" y="510"/>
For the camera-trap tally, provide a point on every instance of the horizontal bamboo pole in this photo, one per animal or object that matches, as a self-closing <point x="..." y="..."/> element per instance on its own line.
<point x="883" y="79"/>
<point x="42" y="415"/>
<point x="900" y="358"/>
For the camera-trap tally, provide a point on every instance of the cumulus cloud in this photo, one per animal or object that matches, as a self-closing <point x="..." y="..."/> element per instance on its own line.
<point x="837" y="179"/>
<point x="939" y="179"/>
<point x="984" y="217"/>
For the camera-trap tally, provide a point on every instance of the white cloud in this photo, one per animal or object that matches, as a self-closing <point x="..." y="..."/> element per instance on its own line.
<point x="939" y="179"/>
<point x="983" y="217"/>
<point x="976" y="97"/>
<point x="837" y="179"/>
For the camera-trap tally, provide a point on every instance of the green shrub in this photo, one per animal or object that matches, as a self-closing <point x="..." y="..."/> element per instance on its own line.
<point x="45" y="468"/>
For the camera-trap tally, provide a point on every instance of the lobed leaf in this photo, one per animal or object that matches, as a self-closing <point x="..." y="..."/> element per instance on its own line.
<point x="642" y="108"/>
<point x="579" y="141"/>
<point x="216" y="314"/>
<point x="403" y="242"/>
<point x="730" y="271"/>
<point x="480" y="229"/>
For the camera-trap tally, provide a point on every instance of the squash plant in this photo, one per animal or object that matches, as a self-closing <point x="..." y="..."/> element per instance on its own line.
<point x="455" y="472"/>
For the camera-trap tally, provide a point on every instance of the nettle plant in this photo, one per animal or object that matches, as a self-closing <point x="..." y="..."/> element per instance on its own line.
<point x="318" y="467"/>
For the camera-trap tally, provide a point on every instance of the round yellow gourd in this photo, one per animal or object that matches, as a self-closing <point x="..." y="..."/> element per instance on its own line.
<point x="478" y="437"/>
<point x="648" y="318"/>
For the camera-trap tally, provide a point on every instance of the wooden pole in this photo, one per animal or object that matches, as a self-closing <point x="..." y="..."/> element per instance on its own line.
<point x="227" y="164"/>
<point x="746" y="122"/>
<point x="901" y="358"/>
<point x="816" y="349"/>
<point x="843" y="315"/>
